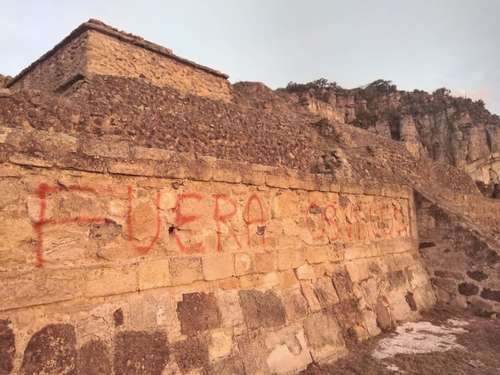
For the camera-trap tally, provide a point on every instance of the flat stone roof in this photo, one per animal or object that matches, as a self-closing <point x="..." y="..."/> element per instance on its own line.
<point x="101" y="27"/>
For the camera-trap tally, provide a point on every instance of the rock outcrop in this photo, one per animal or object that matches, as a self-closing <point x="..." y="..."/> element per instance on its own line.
<point x="451" y="129"/>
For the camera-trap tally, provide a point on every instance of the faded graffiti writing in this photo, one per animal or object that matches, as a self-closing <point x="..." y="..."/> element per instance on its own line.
<point x="196" y="223"/>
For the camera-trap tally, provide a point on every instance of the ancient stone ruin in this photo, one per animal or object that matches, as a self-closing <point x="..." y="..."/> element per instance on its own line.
<point x="156" y="219"/>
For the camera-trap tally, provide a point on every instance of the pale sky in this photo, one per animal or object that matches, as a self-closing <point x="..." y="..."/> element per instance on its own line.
<point x="420" y="44"/>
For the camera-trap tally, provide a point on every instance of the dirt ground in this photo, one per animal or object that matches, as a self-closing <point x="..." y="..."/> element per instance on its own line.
<point x="448" y="342"/>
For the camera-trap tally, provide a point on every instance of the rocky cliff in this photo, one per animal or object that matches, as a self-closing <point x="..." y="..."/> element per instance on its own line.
<point x="455" y="130"/>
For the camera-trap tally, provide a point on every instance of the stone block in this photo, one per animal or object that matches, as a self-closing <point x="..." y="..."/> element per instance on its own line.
<point x="325" y="291"/>
<point x="288" y="279"/>
<point x="198" y="312"/>
<point x="108" y="149"/>
<point x="254" y="354"/>
<point x="226" y="175"/>
<point x="310" y="296"/>
<point x="324" y="336"/>
<point x="305" y="272"/>
<point x="220" y="344"/>
<point x="291" y="356"/>
<point x="295" y="305"/>
<point x="360" y="251"/>
<point x="30" y="161"/>
<point x="51" y="350"/>
<point x="243" y="264"/>
<point x="185" y="270"/>
<point x="191" y="355"/>
<point x="261" y="309"/>
<point x="251" y="177"/>
<point x="288" y="259"/>
<point x="277" y="181"/>
<point x="140" y="350"/>
<point x="370" y="322"/>
<point x="316" y="255"/>
<point x="216" y="267"/>
<point x="351" y="189"/>
<point x="132" y="168"/>
<point x="265" y="262"/>
<point x="93" y="358"/>
<point x="152" y="153"/>
<point x="230" y="308"/>
<point x="110" y="281"/>
<point x="153" y="274"/>
<point x="361" y="269"/>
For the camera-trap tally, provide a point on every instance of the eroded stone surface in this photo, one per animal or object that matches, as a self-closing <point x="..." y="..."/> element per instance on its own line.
<point x="262" y="309"/>
<point x="94" y="359"/>
<point x="7" y="348"/>
<point x="198" y="312"/>
<point x="138" y="353"/>
<point x="52" y="350"/>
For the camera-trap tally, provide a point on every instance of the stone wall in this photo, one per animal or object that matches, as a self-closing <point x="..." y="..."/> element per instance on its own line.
<point x="109" y="56"/>
<point x="117" y="259"/>
<point x="97" y="49"/>
<point x="463" y="263"/>
<point x="53" y="73"/>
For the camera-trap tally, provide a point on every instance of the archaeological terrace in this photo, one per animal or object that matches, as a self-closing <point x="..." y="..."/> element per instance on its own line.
<point x="158" y="220"/>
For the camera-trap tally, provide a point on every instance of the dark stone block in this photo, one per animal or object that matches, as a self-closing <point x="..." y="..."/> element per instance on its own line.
<point x="397" y="278"/>
<point x="7" y="348"/>
<point x="93" y="359"/>
<point x="52" y="350"/>
<point x="343" y="284"/>
<point x="118" y="317"/>
<point x="349" y="316"/>
<point x="192" y="353"/>
<point x="410" y="300"/>
<point x="477" y="275"/>
<point x="384" y="320"/>
<point x="492" y="295"/>
<point x="138" y="353"/>
<point x="468" y="289"/>
<point x="261" y="309"/>
<point x="198" y="312"/>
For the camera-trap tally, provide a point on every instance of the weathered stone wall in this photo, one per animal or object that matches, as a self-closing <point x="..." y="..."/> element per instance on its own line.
<point x="51" y="74"/>
<point x="464" y="264"/>
<point x="109" y="56"/>
<point x="118" y="259"/>
<point x="97" y="49"/>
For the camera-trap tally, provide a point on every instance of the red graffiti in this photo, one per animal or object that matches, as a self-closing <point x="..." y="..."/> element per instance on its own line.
<point x="42" y="192"/>
<point x="182" y="219"/>
<point x="352" y="222"/>
<point x="142" y="249"/>
<point x="260" y="220"/>
<point x="223" y="218"/>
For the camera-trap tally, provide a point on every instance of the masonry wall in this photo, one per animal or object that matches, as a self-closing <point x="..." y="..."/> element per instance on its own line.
<point x="117" y="259"/>
<point x="110" y="56"/>
<point x="54" y="72"/>
<point x="464" y="266"/>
